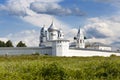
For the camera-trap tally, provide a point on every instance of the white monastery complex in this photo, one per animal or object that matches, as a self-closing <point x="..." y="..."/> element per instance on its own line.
<point x="52" y="42"/>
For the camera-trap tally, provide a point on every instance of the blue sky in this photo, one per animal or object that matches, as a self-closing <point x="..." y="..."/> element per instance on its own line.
<point x="24" y="16"/>
<point x="2" y="1"/>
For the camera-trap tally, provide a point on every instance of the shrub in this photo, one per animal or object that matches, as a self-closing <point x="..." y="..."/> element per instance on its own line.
<point x="36" y="53"/>
<point x="112" y="55"/>
<point x="53" y="72"/>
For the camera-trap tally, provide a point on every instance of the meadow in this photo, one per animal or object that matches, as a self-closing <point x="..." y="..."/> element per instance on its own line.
<point x="36" y="67"/>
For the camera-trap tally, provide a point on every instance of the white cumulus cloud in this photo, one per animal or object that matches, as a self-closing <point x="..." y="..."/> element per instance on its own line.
<point x="3" y="39"/>
<point x="54" y="9"/>
<point x="40" y="12"/>
<point x="50" y="7"/>
<point x="29" y="37"/>
<point x="21" y="9"/>
<point x="103" y="29"/>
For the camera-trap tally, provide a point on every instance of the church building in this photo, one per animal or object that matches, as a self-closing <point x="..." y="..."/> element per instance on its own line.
<point x="47" y="36"/>
<point x="52" y="42"/>
<point x="54" y="38"/>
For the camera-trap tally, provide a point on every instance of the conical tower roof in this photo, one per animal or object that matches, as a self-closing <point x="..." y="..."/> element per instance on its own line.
<point x="80" y="32"/>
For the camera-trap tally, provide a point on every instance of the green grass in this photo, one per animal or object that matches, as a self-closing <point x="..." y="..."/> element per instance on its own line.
<point x="34" y="67"/>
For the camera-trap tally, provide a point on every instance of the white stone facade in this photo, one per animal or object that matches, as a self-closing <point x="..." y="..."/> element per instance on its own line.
<point x="60" y="46"/>
<point x="52" y="42"/>
<point x="25" y="50"/>
<point x="57" y="50"/>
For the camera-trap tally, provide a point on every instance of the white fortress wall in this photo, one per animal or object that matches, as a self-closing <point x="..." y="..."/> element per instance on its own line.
<point x="89" y="53"/>
<point x="58" y="50"/>
<point x="25" y="50"/>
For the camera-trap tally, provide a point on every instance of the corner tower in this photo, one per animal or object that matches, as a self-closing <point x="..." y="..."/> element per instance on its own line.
<point x="60" y="47"/>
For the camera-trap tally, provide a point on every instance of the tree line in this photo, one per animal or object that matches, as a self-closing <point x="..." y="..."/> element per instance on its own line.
<point x="10" y="44"/>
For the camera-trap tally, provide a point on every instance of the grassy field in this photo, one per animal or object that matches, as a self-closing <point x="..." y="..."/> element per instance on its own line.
<point x="34" y="67"/>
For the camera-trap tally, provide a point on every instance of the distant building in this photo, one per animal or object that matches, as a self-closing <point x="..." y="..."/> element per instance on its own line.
<point x="52" y="42"/>
<point x="47" y="36"/>
<point x="54" y="38"/>
<point x="100" y="46"/>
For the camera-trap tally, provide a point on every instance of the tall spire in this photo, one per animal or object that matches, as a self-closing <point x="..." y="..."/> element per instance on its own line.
<point x="78" y="31"/>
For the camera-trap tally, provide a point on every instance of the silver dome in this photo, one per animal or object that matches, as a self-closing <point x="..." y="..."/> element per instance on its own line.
<point x="52" y="28"/>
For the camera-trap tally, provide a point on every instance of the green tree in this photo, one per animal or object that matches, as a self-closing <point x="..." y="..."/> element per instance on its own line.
<point x="21" y="44"/>
<point x="2" y="44"/>
<point x="9" y="44"/>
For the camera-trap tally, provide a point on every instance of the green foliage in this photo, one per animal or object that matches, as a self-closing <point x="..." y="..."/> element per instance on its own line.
<point x="21" y="44"/>
<point x="113" y="55"/>
<point x="9" y="44"/>
<point x="2" y="44"/>
<point x="35" y="67"/>
<point x="36" y="53"/>
<point x="53" y="72"/>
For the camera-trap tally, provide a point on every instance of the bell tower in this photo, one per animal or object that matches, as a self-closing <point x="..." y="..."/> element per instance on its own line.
<point x="80" y="43"/>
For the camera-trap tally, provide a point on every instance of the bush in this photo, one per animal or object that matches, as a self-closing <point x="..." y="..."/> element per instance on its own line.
<point x="112" y="55"/>
<point x="36" y="53"/>
<point x="53" y="72"/>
